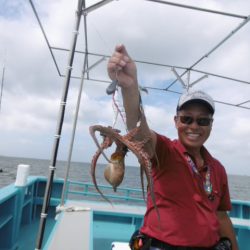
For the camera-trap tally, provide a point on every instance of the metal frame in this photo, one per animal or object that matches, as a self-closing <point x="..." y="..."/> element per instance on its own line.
<point x="86" y="11"/>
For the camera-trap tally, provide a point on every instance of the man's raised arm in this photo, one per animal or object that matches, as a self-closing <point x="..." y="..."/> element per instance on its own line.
<point x="123" y="69"/>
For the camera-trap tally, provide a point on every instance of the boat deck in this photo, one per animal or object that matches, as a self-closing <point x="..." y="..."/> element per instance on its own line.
<point x="80" y="235"/>
<point x="86" y="224"/>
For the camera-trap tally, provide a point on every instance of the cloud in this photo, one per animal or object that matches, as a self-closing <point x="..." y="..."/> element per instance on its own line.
<point x="151" y="32"/>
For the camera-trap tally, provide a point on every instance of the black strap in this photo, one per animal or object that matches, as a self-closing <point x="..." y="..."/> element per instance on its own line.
<point x="139" y="241"/>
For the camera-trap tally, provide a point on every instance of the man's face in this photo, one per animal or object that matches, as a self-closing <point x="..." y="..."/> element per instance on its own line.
<point x="192" y="135"/>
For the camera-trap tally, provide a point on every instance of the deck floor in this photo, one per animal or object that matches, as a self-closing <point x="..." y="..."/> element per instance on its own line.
<point x="27" y="241"/>
<point x="78" y="235"/>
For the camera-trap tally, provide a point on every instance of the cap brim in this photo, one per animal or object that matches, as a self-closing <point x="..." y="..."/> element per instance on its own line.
<point x="210" y="108"/>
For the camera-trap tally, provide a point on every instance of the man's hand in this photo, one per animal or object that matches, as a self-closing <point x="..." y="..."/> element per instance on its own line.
<point x="224" y="244"/>
<point x="226" y="228"/>
<point x="122" y="68"/>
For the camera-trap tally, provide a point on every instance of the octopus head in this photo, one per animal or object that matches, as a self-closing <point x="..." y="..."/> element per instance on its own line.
<point x="114" y="171"/>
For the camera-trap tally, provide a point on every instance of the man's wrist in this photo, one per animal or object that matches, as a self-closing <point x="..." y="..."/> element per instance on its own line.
<point x="224" y="244"/>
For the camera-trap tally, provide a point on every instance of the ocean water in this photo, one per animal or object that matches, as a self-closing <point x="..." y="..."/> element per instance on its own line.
<point x="78" y="171"/>
<point x="239" y="185"/>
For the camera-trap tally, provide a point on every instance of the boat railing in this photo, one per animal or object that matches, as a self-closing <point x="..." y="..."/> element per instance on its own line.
<point x="240" y="209"/>
<point x="77" y="188"/>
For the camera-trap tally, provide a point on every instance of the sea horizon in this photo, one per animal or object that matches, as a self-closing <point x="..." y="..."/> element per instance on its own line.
<point x="239" y="185"/>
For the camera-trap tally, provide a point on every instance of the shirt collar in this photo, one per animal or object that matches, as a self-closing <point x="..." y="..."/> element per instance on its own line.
<point x="207" y="156"/>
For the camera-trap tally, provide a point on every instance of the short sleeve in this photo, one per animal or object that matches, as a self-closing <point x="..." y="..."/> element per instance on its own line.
<point x="162" y="149"/>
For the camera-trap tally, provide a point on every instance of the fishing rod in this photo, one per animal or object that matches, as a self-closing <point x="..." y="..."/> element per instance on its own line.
<point x="2" y="84"/>
<point x="52" y="166"/>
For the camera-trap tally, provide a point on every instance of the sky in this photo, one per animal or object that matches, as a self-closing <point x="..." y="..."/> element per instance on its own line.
<point x="151" y="32"/>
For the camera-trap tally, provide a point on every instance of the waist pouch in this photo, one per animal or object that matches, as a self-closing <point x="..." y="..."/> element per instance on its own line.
<point x="141" y="241"/>
<point x="165" y="246"/>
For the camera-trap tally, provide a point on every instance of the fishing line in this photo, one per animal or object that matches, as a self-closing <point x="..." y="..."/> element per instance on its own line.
<point x="109" y="49"/>
<point x="117" y="106"/>
<point x="118" y="109"/>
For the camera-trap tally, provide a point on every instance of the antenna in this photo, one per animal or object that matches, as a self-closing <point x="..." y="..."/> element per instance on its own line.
<point x="2" y="84"/>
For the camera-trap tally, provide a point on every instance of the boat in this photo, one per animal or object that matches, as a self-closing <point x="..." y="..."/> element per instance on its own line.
<point x="85" y="223"/>
<point x="54" y="214"/>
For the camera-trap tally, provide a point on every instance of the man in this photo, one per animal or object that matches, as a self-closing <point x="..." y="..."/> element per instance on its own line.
<point x="190" y="186"/>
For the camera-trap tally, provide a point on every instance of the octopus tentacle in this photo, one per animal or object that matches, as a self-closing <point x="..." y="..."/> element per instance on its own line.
<point x="92" y="130"/>
<point x="93" y="167"/>
<point x="142" y="182"/>
<point x="107" y="142"/>
<point x="136" y="147"/>
<point x="151" y="190"/>
<point x="144" y="159"/>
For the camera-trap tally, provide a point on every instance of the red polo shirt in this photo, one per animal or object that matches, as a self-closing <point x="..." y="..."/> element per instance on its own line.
<point x="187" y="216"/>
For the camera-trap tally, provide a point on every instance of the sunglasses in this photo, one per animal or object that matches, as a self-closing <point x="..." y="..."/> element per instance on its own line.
<point x="202" y="121"/>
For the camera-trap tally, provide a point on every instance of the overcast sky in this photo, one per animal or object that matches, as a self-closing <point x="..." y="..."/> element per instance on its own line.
<point x="151" y="32"/>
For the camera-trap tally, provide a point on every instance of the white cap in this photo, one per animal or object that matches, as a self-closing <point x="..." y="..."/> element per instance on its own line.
<point x="197" y="95"/>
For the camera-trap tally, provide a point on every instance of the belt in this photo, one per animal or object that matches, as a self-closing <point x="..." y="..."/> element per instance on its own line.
<point x="165" y="246"/>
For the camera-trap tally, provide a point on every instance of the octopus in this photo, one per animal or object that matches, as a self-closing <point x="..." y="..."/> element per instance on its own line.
<point x="114" y="172"/>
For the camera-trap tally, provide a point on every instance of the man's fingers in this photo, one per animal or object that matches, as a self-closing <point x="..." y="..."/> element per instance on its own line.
<point x="118" y="61"/>
<point x="113" y="67"/>
<point x="121" y="49"/>
<point x="118" y="56"/>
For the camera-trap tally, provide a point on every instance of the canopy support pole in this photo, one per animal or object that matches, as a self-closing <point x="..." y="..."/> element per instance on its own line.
<point x="52" y="166"/>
